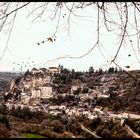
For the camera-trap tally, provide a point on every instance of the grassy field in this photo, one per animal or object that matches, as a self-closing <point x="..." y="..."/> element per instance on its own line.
<point x="30" y="135"/>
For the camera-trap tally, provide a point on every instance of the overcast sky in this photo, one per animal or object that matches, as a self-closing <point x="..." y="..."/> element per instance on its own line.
<point x="23" y="51"/>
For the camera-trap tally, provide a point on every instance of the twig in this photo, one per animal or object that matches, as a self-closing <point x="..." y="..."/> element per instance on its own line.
<point x="9" y="35"/>
<point x="122" y="39"/>
<point x="14" y="10"/>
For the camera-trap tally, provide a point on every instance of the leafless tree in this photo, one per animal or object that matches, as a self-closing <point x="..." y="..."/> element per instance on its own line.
<point x="125" y="25"/>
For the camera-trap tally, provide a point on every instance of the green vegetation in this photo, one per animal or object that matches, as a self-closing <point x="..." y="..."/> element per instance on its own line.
<point x="31" y="135"/>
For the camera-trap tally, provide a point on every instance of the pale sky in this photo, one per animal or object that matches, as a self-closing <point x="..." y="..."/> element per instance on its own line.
<point x="23" y="51"/>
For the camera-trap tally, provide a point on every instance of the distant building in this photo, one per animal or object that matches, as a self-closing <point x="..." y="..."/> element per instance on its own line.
<point x="36" y="93"/>
<point x="98" y="108"/>
<point x="48" y="79"/>
<point x="25" y="98"/>
<point x="35" y="70"/>
<point x="54" y="70"/>
<point x="104" y="96"/>
<point x="75" y="87"/>
<point x="27" y="86"/>
<point x="46" y="91"/>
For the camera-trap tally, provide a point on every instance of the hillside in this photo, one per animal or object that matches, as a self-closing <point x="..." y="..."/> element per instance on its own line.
<point x="123" y="89"/>
<point x="5" y="80"/>
<point x="64" y="103"/>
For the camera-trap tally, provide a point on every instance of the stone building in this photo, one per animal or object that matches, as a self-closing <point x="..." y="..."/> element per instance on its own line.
<point x="53" y="70"/>
<point x="36" y="93"/>
<point x="25" y="98"/>
<point x="46" y="91"/>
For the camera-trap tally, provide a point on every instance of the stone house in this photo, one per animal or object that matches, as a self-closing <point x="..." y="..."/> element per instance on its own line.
<point x="36" y="93"/>
<point x="75" y="87"/>
<point x="34" y="71"/>
<point x="46" y="91"/>
<point x="25" y="99"/>
<point x="53" y="70"/>
<point x="98" y="108"/>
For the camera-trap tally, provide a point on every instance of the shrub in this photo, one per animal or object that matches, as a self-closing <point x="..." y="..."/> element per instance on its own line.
<point x="105" y="133"/>
<point x="58" y="126"/>
<point x="100" y="129"/>
<point x="4" y="132"/>
<point x="94" y="123"/>
<point x="5" y="121"/>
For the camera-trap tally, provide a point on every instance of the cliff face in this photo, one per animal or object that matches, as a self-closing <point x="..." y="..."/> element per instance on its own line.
<point x="33" y="84"/>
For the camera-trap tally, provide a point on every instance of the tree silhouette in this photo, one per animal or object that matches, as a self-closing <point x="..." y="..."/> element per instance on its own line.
<point x="91" y="70"/>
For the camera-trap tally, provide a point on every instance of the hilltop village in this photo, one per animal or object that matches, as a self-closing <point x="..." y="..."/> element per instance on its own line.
<point x="75" y="100"/>
<point x="57" y="90"/>
<point x="33" y="86"/>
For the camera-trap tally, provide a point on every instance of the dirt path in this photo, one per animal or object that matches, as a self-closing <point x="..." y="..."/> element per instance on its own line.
<point x="131" y="132"/>
<point x="87" y="130"/>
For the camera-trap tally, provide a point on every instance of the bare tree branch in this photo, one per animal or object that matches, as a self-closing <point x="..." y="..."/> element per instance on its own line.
<point x="122" y="39"/>
<point x="9" y="35"/>
<point x="105" y="17"/>
<point x="14" y="10"/>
